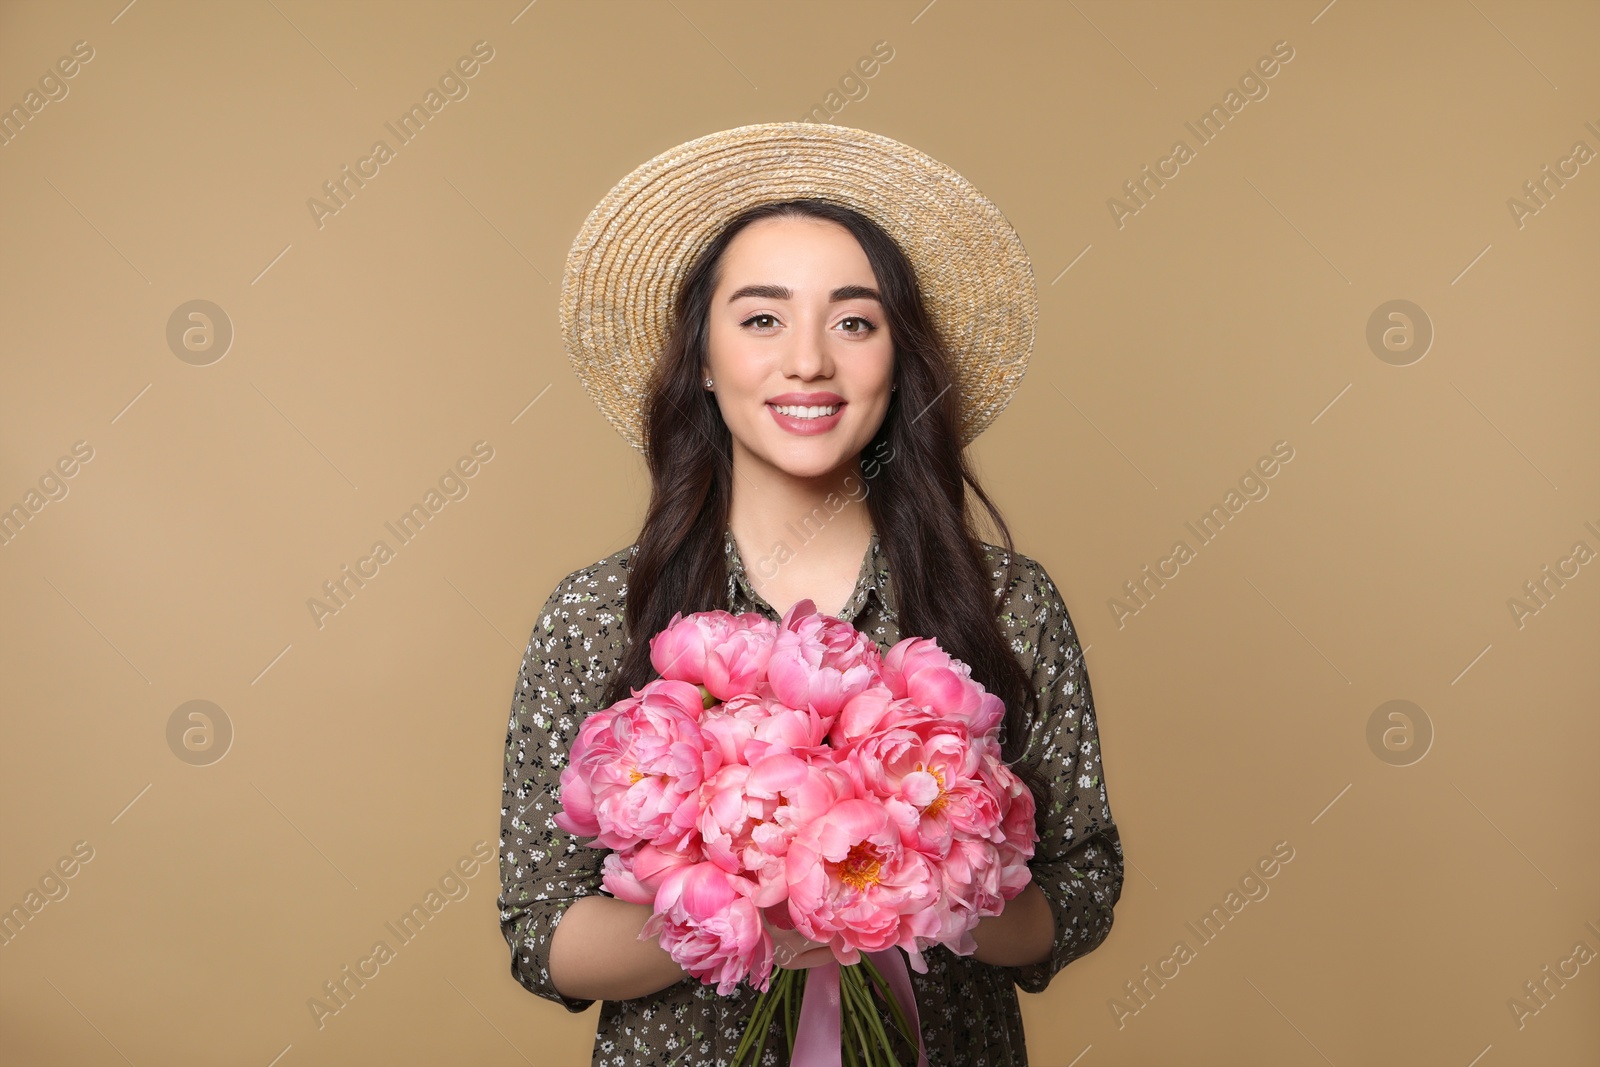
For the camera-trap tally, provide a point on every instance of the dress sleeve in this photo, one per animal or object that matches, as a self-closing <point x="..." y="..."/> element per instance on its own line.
<point x="1077" y="861"/>
<point x="543" y="869"/>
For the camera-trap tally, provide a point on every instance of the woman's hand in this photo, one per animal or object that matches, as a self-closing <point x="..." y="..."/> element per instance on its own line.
<point x="790" y="948"/>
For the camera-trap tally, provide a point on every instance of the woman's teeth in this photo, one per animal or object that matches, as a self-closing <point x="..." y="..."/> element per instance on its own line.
<point x="804" y="413"/>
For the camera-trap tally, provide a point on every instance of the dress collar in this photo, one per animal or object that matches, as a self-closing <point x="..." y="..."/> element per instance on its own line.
<point x="871" y="580"/>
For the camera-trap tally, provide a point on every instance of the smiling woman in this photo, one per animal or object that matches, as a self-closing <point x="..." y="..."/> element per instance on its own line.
<point x="846" y="300"/>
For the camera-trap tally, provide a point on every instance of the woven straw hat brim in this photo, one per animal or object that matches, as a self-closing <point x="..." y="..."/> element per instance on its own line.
<point x="625" y="265"/>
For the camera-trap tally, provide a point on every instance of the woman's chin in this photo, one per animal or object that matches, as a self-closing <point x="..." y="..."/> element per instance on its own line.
<point x="815" y="465"/>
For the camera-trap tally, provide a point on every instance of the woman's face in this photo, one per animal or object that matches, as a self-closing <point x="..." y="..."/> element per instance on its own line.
<point x="795" y="320"/>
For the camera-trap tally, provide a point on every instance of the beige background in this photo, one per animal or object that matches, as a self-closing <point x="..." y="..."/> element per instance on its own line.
<point x="369" y="354"/>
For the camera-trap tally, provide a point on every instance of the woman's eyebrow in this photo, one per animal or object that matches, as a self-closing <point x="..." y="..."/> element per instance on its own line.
<point x="783" y="292"/>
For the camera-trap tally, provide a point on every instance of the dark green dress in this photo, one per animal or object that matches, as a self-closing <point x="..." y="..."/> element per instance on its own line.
<point x="969" y="1011"/>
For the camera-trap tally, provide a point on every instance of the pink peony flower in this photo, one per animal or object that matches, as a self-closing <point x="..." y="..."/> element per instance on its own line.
<point x="853" y="885"/>
<point x="801" y="792"/>
<point x="597" y="745"/>
<point x="928" y="778"/>
<point x="969" y="890"/>
<point x="746" y="728"/>
<point x="1017" y="833"/>
<point x="870" y="710"/>
<point x="731" y="724"/>
<point x="801" y="731"/>
<point x="918" y="670"/>
<point x="706" y="922"/>
<point x="724" y="652"/>
<point x="636" y="769"/>
<point x="729" y="813"/>
<point x="819" y="662"/>
<point x="636" y="874"/>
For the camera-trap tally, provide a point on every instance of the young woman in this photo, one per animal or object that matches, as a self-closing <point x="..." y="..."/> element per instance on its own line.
<point x="804" y="428"/>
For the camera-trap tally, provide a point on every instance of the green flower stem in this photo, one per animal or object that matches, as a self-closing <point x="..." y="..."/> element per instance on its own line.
<point x="848" y="1050"/>
<point x="863" y="1039"/>
<point x="788" y="1016"/>
<point x="851" y="1020"/>
<point x="756" y="1027"/>
<point x="799" y="1002"/>
<point x="850" y="1008"/>
<point x="855" y="1013"/>
<point x="747" y="1036"/>
<point x="884" y="991"/>
<point x="774" y="1002"/>
<point x="761" y="1043"/>
<point x="870" y="1008"/>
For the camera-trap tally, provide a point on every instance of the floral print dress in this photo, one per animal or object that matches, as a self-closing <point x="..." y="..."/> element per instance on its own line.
<point x="969" y="1011"/>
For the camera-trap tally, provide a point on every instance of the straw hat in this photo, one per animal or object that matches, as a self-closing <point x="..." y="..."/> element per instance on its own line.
<point x="625" y="266"/>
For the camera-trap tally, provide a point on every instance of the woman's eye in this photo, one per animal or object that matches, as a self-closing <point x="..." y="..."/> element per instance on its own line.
<point x="764" y="320"/>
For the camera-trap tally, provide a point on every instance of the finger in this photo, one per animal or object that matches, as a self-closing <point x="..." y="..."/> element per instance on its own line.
<point x="796" y="952"/>
<point x="816" y="957"/>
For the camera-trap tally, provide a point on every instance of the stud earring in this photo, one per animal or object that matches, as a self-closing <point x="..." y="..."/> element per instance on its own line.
<point x="708" y="383"/>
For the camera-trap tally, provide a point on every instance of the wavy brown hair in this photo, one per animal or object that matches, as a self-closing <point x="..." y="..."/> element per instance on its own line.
<point x="917" y="498"/>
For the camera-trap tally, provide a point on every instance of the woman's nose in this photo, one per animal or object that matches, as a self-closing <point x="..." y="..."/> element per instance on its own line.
<point x="807" y="356"/>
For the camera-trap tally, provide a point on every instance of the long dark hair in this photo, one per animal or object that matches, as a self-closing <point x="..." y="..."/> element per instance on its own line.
<point x="917" y="498"/>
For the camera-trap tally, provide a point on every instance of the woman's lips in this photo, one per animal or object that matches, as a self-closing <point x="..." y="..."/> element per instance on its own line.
<point x="807" y="427"/>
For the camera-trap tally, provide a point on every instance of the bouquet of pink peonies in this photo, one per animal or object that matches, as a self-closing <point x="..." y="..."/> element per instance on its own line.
<point x="858" y="795"/>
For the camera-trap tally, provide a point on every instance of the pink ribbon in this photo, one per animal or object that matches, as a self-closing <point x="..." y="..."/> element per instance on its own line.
<point x="892" y="966"/>
<point x="817" y="1043"/>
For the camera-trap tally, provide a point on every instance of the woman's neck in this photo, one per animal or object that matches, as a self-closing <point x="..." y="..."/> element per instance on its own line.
<point x="800" y="537"/>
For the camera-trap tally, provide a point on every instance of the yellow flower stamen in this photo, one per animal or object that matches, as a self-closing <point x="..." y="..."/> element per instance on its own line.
<point x="860" y="868"/>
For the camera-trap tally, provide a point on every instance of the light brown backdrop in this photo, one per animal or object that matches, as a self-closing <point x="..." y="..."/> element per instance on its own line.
<point x="1174" y="349"/>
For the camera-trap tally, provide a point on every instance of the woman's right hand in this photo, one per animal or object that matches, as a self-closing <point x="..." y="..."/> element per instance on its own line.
<point x="791" y="949"/>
